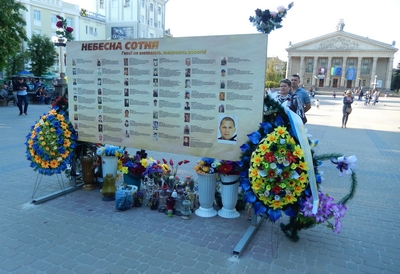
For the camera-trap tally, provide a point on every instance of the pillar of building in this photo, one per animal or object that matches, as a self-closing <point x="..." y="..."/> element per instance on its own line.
<point x="343" y="78"/>
<point x="358" y="79"/>
<point x="328" y="73"/>
<point x="315" y="71"/>
<point x="373" y="73"/>
<point x="301" y="72"/>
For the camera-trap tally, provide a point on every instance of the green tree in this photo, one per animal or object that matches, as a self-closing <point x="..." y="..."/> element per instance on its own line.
<point x="16" y="62"/>
<point x="12" y="30"/>
<point x="42" y="53"/>
<point x="396" y="79"/>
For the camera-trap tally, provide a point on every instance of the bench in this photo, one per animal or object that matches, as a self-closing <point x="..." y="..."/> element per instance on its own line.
<point x="3" y="102"/>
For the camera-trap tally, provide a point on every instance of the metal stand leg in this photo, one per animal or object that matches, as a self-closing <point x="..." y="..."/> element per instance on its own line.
<point x="255" y="223"/>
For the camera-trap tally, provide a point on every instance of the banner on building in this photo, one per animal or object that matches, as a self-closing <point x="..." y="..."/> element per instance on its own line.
<point x="351" y="74"/>
<point x="195" y="95"/>
<point x="336" y="71"/>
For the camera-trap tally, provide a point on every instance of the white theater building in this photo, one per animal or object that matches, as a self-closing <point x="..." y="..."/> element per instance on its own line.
<point x="342" y="59"/>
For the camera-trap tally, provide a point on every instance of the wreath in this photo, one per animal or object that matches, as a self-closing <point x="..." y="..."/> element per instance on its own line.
<point x="51" y="142"/>
<point x="276" y="177"/>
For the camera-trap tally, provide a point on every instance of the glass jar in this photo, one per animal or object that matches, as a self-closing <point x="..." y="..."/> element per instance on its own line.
<point x="185" y="211"/>
<point x="109" y="188"/>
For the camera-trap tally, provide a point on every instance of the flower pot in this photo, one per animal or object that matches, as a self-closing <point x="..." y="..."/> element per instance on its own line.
<point x="229" y="196"/>
<point x="133" y="179"/>
<point x="206" y="184"/>
<point x="109" y="165"/>
<point x="87" y="174"/>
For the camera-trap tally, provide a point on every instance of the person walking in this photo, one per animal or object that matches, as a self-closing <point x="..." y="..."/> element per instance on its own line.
<point x="347" y="101"/>
<point x="375" y="98"/>
<point x="360" y="95"/>
<point x="22" y="94"/>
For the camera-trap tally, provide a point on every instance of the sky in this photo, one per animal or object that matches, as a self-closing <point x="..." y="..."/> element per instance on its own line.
<point x="307" y="19"/>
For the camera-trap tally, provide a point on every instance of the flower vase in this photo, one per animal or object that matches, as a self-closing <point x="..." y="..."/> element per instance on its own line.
<point x="109" y="165"/>
<point x="87" y="174"/>
<point x="133" y="179"/>
<point x="206" y="184"/>
<point x="108" y="190"/>
<point x="229" y="196"/>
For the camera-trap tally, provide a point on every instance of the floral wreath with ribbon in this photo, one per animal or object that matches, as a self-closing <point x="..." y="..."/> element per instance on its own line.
<point x="276" y="177"/>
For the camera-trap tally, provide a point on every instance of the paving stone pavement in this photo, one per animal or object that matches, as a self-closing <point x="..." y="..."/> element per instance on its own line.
<point x="79" y="233"/>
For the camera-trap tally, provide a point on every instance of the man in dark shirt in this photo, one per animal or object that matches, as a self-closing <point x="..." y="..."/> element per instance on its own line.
<point x="22" y="94"/>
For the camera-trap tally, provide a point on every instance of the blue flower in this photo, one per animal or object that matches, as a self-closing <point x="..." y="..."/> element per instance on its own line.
<point x="274" y="214"/>
<point x="254" y="137"/>
<point x="259" y="208"/>
<point x="267" y="127"/>
<point x="244" y="147"/>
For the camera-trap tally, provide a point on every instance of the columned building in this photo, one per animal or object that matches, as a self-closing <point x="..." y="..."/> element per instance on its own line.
<point x="342" y="59"/>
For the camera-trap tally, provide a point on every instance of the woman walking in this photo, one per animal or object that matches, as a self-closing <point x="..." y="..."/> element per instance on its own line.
<point x="347" y="101"/>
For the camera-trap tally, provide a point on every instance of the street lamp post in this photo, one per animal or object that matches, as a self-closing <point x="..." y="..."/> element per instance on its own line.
<point x="60" y="43"/>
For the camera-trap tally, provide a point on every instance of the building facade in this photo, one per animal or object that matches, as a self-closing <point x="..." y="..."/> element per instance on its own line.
<point x="112" y="19"/>
<point x="133" y="19"/>
<point x="342" y="59"/>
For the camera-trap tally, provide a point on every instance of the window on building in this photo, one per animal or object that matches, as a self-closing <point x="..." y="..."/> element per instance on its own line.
<point x="95" y="32"/>
<point x="151" y="6"/>
<point x="36" y="15"/>
<point x="323" y="63"/>
<point x="142" y="34"/>
<point x="159" y="24"/>
<point x="127" y="3"/>
<point x="54" y="19"/>
<point x="114" y="3"/>
<point x="309" y="64"/>
<point x="87" y="29"/>
<point x="151" y="35"/>
<point x="69" y="22"/>
<point x="337" y="62"/>
<point x="351" y="63"/>
<point x="91" y="30"/>
<point x="102" y="4"/>
<point x="141" y="18"/>
<point x="151" y="22"/>
<point x="37" y="31"/>
<point x="159" y="10"/>
<point x="142" y="3"/>
<point x="366" y="66"/>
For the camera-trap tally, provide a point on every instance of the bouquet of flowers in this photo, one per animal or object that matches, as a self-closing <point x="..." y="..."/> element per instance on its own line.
<point x="266" y="21"/>
<point x="228" y="167"/>
<point x="135" y="164"/>
<point x="170" y="172"/>
<point x="51" y="142"/>
<point x="153" y="170"/>
<point x="207" y="166"/>
<point x="110" y="150"/>
<point x="64" y="30"/>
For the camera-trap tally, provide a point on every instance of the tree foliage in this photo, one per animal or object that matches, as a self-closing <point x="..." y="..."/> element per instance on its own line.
<point x="12" y="30"/>
<point x="42" y="53"/>
<point x="396" y="79"/>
